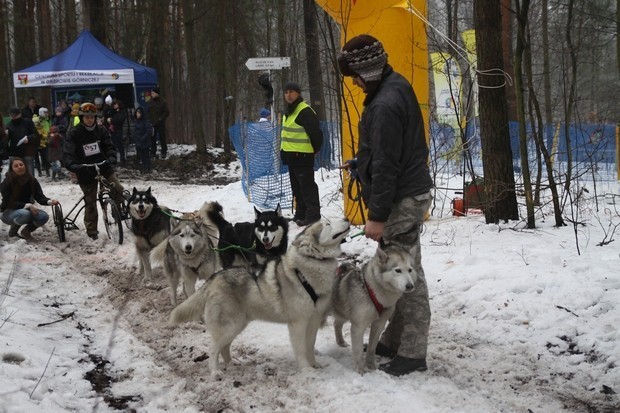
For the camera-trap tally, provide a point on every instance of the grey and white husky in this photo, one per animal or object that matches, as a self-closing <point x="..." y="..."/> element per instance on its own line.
<point x="295" y="289"/>
<point x="367" y="297"/>
<point x="187" y="253"/>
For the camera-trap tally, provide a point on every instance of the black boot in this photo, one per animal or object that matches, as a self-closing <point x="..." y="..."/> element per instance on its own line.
<point x="13" y="231"/>
<point x="399" y="366"/>
<point x="28" y="229"/>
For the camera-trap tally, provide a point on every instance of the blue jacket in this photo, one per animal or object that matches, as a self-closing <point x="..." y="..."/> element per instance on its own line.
<point x="142" y="131"/>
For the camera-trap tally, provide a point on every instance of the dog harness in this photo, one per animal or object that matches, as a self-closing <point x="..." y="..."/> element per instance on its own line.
<point x="373" y="297"/>
<point x="306" y="285"/>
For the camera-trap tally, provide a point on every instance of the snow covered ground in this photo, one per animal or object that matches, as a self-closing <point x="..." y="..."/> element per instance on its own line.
<point x="521" y="322"/>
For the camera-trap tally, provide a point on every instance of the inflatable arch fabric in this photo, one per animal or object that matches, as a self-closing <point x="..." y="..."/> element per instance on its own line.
<point x="397" y="25"/>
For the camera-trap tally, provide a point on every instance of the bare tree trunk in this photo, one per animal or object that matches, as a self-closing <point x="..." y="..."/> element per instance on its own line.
<point x="95" y="18"/>
<point x="501" y="200"/>
<point x="511" y="97"/>
<point x="281" y="46"/>
<point x="546" y="66"/>
<point x="189" y="20"/>
<point x="45" y="41"/>
<point x="70" y="24"/>
<point x="570" y="103"/>
<point x="618" y="34"/>
<point x="522" y="21"/>
<point x="313" y="54"/>
<point x="6" y="85"/>
<point x="220" y="77"/>
<point x="540" y="142"/>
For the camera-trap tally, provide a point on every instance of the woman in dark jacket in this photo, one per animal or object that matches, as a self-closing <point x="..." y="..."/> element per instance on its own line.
<point x="19" y="192"/>
<point x="142" y="132"/>
<point x="116" y="123"/>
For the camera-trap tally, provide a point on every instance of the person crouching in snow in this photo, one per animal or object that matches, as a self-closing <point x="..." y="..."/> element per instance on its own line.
<point x="19" y="192"/>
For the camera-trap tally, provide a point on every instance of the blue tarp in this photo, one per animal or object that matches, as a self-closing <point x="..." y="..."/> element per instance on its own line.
<point x="87" y="53"/>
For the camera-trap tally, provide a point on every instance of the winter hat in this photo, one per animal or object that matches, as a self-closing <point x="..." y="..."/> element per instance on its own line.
<point x="139" y="109"/>
<point x="264" y="112"/>
<point x="75" y="109"/>
<point x="15" y="111"/>
<point x="58" y="109"/>
<point x="98" y="101"/>
<point x="363" y="56"/>
<point x="156" y="90"/>
<point x="36" y="120"/>
<point x="108" y="100"/>
<point x="43" y="112"/>
<point x="292" y="86"/>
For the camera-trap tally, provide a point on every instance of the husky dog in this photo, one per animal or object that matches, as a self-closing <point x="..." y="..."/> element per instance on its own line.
<point x="188" y="252"/>
<point x="368" y="297"/>
<point x="263" y="239"/>
<point x="295" y="289"/>
<point x="150" y="225"/>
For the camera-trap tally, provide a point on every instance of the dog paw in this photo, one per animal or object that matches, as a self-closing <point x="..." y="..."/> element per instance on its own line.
<point x="217" y="374"/>
<point x="342" y="343"/>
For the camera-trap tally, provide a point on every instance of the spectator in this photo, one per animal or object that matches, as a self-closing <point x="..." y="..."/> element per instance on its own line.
<point x="19" y="192"/>
<point x="89" y="143"/>
<point x="392" y="168"/>
<point x="31" y="108"/>
<point x="116" y="121"/>
<point x="43" y="129"/>
<point x="23" y="139"/>
<point x="264" y="115"/>
<point x="158" y="112"/>
<point x="301" y="141"/>
<point x="60" y="120"/>
<point x="54" y="144"/>
<point x="142" y="132"/>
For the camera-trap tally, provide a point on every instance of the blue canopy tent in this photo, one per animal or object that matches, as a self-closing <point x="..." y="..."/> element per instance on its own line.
<point x="86" y="62"/>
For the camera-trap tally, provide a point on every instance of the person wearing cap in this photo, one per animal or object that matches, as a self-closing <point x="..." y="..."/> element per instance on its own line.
<point x="41" y="160"/>
<point x="23" y="138"/>
<point x="264" y="115"/>
<point x="89" y="143"/>
<point x="392" y="167"/>
<point x="158" y="112"/>
<point x="301" y="139"/>
<point x="60" y="120"/>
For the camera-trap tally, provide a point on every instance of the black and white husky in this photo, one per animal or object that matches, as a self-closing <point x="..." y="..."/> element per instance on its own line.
<point x="150" y="225"/>
<point x="259" y="241"/>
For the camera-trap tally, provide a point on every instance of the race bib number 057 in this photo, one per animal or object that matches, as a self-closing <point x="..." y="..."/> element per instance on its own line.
<point x="91" y="149"/>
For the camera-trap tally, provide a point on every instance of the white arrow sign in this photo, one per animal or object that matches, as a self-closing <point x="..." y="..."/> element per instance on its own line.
<point x="265" y="63"/>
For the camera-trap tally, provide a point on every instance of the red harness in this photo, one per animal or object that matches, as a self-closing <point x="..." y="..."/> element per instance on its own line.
<point x="373" y="297"/>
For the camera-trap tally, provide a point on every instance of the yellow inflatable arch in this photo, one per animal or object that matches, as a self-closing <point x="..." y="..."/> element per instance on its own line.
<point x="403" y="34"/>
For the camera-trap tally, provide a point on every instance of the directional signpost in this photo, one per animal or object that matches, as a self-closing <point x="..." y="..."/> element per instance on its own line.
<point x="268" y="63"/>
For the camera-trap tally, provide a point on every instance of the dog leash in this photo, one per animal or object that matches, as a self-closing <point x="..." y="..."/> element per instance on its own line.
<point x="180" y="212"/>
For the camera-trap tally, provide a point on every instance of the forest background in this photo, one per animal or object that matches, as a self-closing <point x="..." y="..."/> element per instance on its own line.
<point x="199" y="49"/>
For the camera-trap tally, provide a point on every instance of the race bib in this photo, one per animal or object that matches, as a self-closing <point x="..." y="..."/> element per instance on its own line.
<point x="91" y="149"/>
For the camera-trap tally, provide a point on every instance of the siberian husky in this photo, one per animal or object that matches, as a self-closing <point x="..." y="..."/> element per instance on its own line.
<point x="368" y="297"/>
<point x="295" y="289"/>
<point x="258" y="241"/>
<point x="188" y="252"/>
<point x="150" y="225"/>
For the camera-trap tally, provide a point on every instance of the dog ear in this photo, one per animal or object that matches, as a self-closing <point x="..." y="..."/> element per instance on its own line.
<point x="256" y="213"/>
<point x="381" y="255"/>
<point x="148" y="191"/>
<point x="135" y="191"/>
<point x="279" y="210"/>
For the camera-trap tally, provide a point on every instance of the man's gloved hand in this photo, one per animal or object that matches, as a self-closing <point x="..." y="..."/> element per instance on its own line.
<point x="73" y="167"/>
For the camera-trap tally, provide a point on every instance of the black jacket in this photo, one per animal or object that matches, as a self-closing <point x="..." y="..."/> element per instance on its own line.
<point x="308" y="120"/>
<point x="393" y="153"/>
<point x="79" y="141"/>
<point x="15" y="196"/>
<point x="18" y="128"/>
<point x="158" y="112"/>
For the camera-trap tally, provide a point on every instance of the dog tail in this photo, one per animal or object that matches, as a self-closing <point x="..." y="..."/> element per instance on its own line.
<point x="191" y="309"/>
<point x="212" y="212"/>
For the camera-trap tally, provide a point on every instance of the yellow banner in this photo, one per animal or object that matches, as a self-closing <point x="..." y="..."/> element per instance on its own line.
<point x="469" y="40"/>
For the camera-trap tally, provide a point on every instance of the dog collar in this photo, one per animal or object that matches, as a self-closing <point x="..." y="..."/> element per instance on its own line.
<point x="373" y="297"/>
<point x="306" y="285"/>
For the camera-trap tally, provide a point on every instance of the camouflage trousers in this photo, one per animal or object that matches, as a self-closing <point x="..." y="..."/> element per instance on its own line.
<point x="407" y="331"/>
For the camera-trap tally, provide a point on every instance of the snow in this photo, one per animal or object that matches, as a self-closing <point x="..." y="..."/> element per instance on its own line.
<point x="521" y="322"/>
